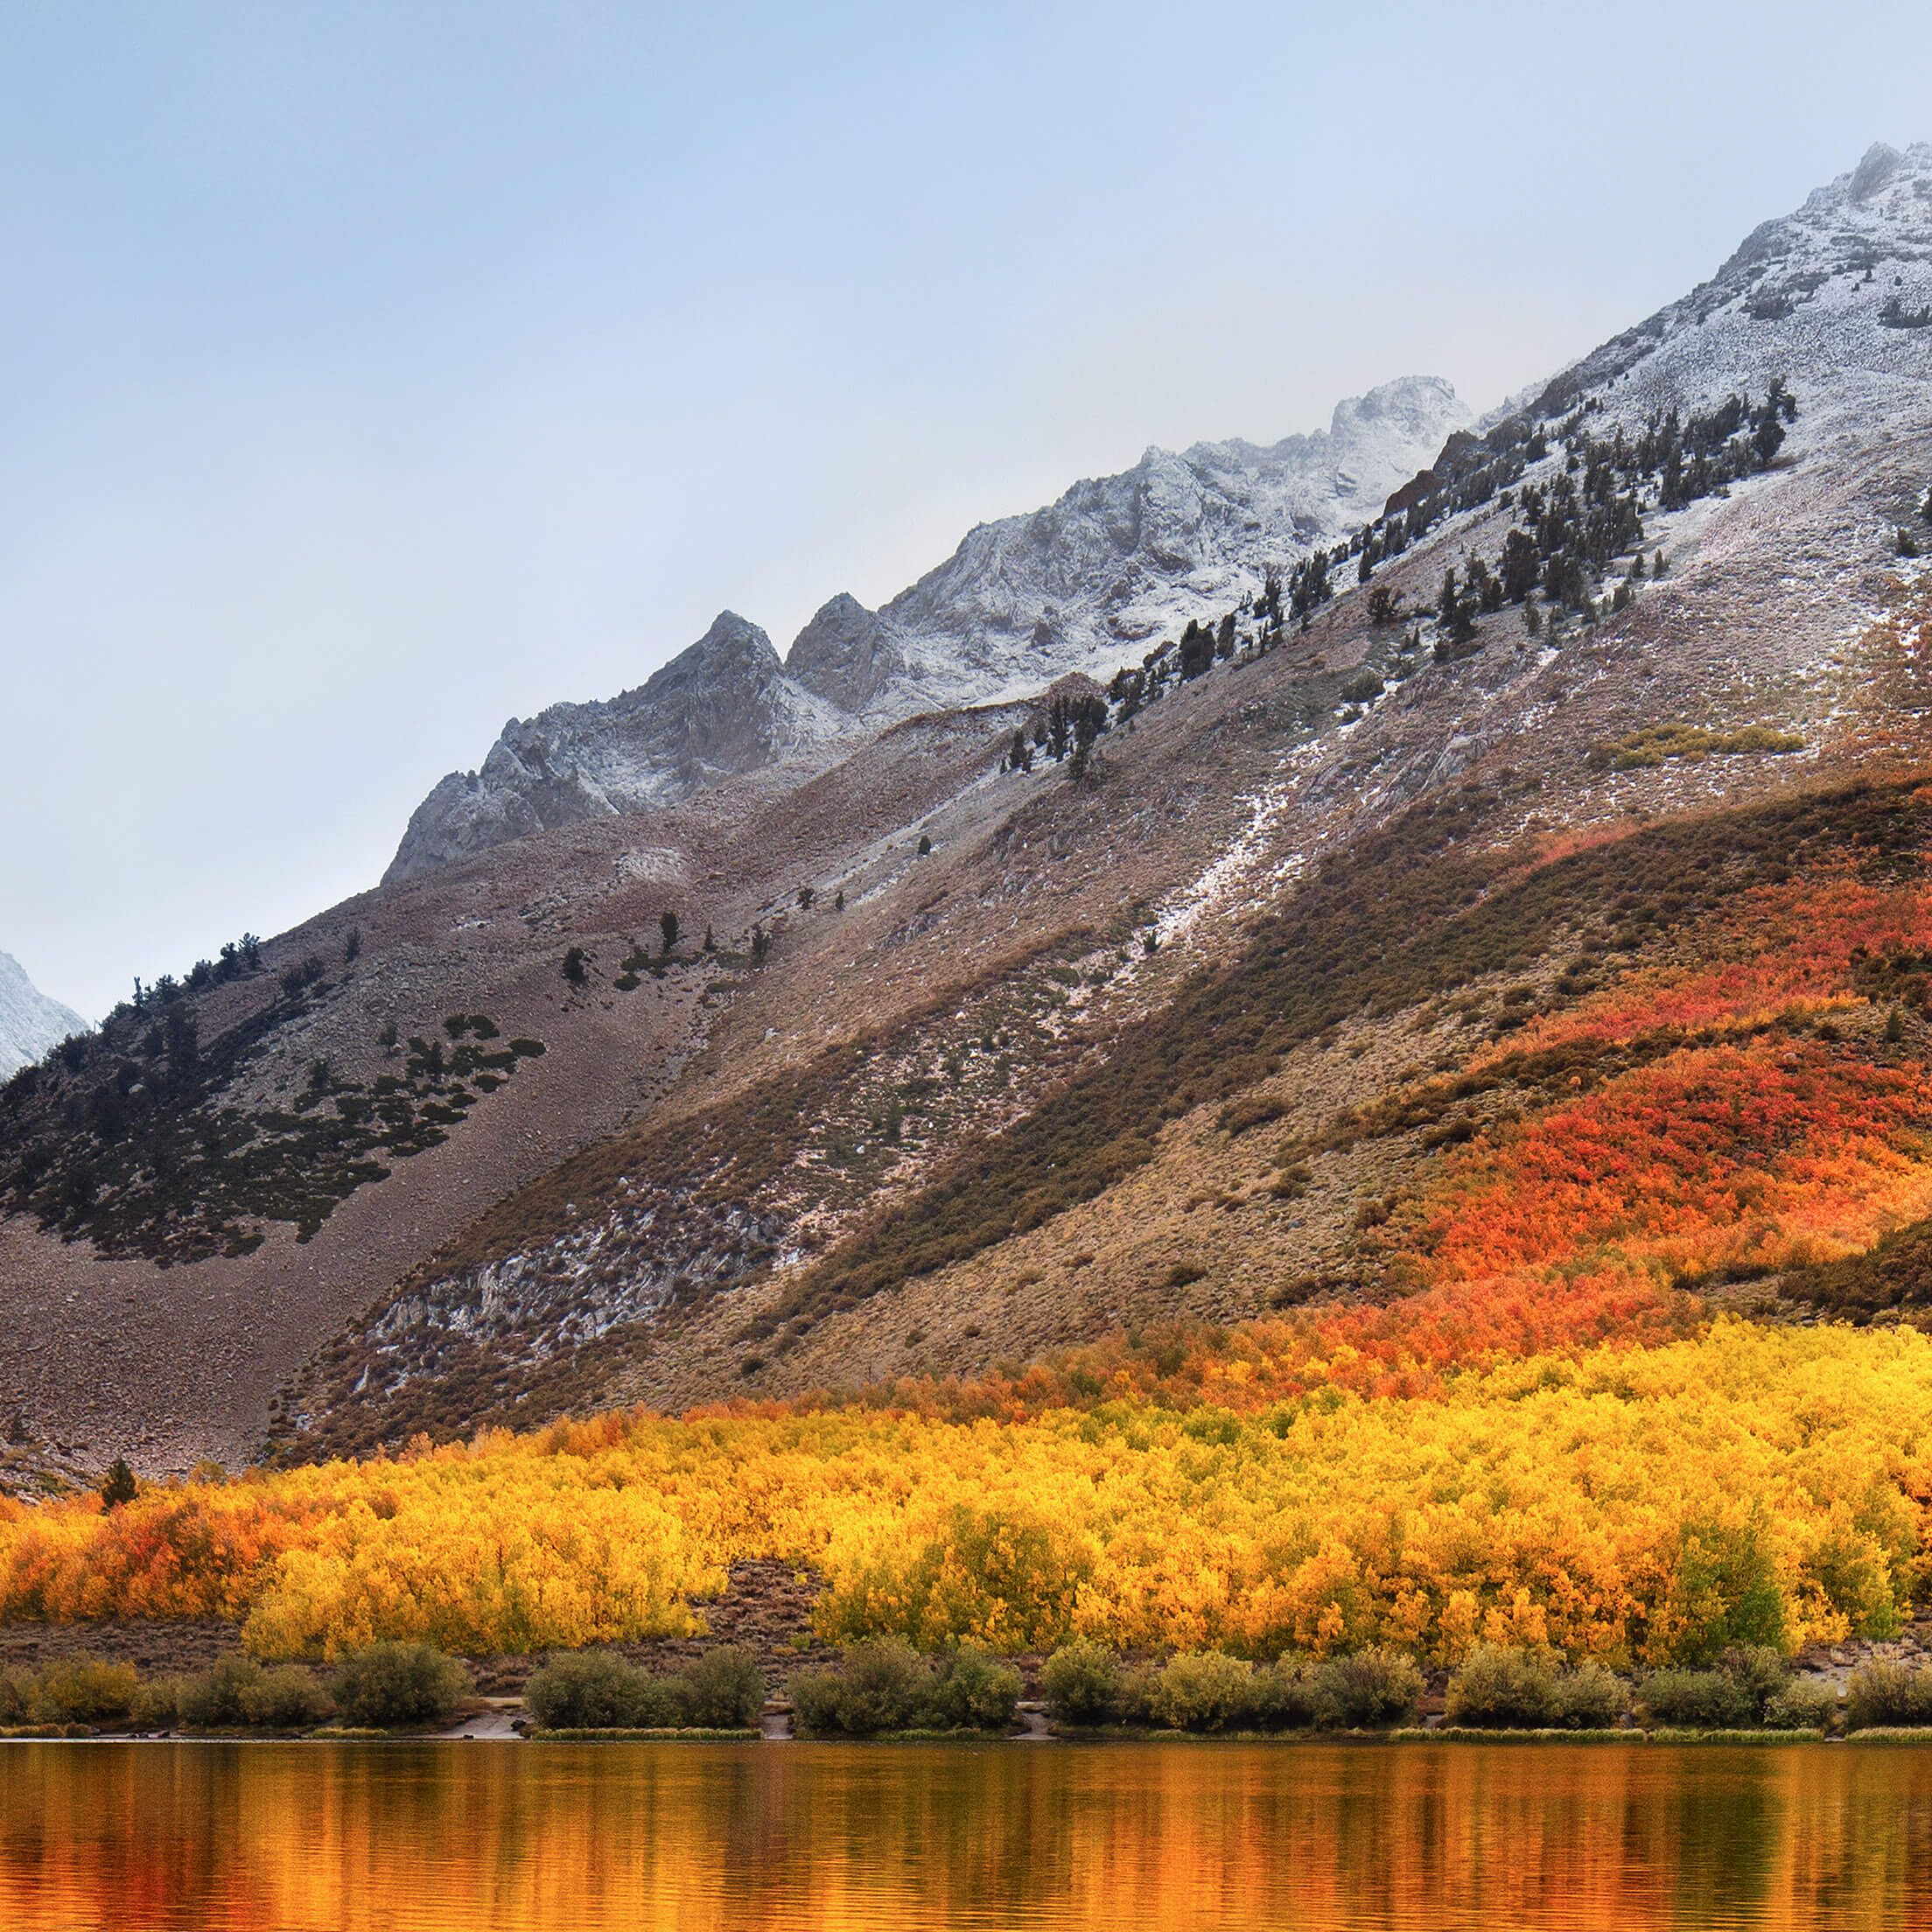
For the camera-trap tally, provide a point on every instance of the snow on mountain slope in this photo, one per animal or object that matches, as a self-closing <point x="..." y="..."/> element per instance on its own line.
<point x="1083" y="585"/>
<point x="30" y="1022"/>
<point x="1086" y="583"/>
<point x="1837" y="297"/>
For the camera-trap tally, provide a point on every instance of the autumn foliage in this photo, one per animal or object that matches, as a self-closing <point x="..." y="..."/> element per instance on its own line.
<point x="1538" y="1435"/>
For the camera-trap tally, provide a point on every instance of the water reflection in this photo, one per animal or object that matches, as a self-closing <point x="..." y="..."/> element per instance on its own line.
<point x="346" y="1837"/>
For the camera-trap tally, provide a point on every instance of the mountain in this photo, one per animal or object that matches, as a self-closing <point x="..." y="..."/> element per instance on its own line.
<point x="1080" y="586"/>
<point x="1516" y="926"/>
<point x="30" y="1024"/>
<point x="722" y="707"/>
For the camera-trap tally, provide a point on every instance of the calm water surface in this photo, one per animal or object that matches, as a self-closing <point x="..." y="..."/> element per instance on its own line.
<point x="343" y="1838"/>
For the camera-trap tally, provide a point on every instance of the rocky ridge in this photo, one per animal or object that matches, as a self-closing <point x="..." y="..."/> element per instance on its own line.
<point x="1081" y="585"/>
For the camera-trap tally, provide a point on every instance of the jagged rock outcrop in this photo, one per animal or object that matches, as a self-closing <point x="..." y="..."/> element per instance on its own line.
<point x="1084" y="585"/>
<point x="30" y="1023"/>
<point x="722" y="707"/>
<point x="847" y="655"/>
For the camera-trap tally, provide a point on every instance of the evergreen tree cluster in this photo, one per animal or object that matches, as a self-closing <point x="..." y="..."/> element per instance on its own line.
<point x="128" y="1135"/>
<point x="1065" y="731"/>
<point x="1570" y="527"/>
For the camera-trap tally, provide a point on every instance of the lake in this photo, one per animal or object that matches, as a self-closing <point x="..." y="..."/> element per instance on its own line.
<point x="345" y="1836"/>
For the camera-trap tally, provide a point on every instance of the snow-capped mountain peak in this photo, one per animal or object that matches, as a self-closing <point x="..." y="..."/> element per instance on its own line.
<point x="1085" y="585"/>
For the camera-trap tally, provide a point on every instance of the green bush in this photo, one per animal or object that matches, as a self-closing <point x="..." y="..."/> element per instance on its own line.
<point x="882" y="1686"/>
<point x="1887" y="1693"/>
<point x="236" y="1694"/>
<point x="723" y="1690"/>
<point x="82" y="1691"/>
<point x="974" y="1692"/>
<point x="286" y="1698"/>
<point x="1804" y="1706"/>
<point x="1502" y="1690"/>
<point x="586" y="1690"/>
<point x="214" y="1699"/>
<point x="157" y="1704"/>
<point x="1366" y="1690"/>
<point x="389" y="1684"/>
<point x="887" y="1686"/>
<point x="1205" y="1690"/>
<point x="1081" y="1684"/>
<point x="1589" y="1698"/>
<point x="1286" y="1697"/>
<point x="16" y="1695"/>
<point x="1697" y="1700"/>
<point x="1138" y="1685"/>
<point x="1760" y="1672"/>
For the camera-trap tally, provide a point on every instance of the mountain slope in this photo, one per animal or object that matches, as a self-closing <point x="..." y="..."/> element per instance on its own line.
<point x="956" y="1059"/>
<point x="30" y="1024"/>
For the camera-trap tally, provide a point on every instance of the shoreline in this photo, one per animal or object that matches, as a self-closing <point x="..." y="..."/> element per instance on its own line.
<point x="1360" y="1739"/>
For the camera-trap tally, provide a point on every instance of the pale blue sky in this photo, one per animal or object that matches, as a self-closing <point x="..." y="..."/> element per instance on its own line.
<point x="372" y="373"/>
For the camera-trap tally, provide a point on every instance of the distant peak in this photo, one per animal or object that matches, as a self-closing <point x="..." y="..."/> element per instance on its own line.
<point x="728" y="627"/>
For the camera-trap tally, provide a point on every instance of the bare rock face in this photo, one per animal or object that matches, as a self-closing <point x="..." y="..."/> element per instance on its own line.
<point x="30" y="1024"/>
<point x="1082" y="585"/>
<point x="847" y="655"/>
<point x="722" y="707"/>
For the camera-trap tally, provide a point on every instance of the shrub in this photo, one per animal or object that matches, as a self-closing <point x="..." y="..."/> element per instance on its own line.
<point x="1285" y="1695"/>
<point x="1887" y="1693"/>
<point x="1804" y="1706"/>
<point x="215" y="1699"/>
<point x="886" y="1686"/>
<point x="818" y="1702"/>
<point x="157" y="1704"/>
<point x="587" y="1690"/>
<point x="1501" y="1688"/>
<point x="1205" y="1690"/>
<point x="1760" y="1673"/>
<point x="1498" y="1689"/>
<point x="397" y="1684"/>
<point x="82" y="1691"/>
<point x="1699" y="1700"/>
<point x="974" y="1692"/>
<point x="725" y="1689"/>
<point x="287" y="1699"/>
<point x="883" y="1686"/>
<point x="1082" y="1683"/>
<point x="1137" y="1688"/>
<point x="16" y="1695"/>
<point x="1368" y="1688"/>
<point x="1588" y="1699"/>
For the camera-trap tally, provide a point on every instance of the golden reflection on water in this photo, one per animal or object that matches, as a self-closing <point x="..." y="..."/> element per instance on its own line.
<point x="739" y="1838"/>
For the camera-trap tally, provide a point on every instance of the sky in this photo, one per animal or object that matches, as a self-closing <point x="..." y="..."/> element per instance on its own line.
<point x="372" y="373"/>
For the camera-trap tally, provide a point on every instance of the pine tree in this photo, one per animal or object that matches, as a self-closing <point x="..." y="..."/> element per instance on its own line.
<point x="118" y="1486"/>
<point x="666" y="924"/>
<point x="576" y="967"/>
